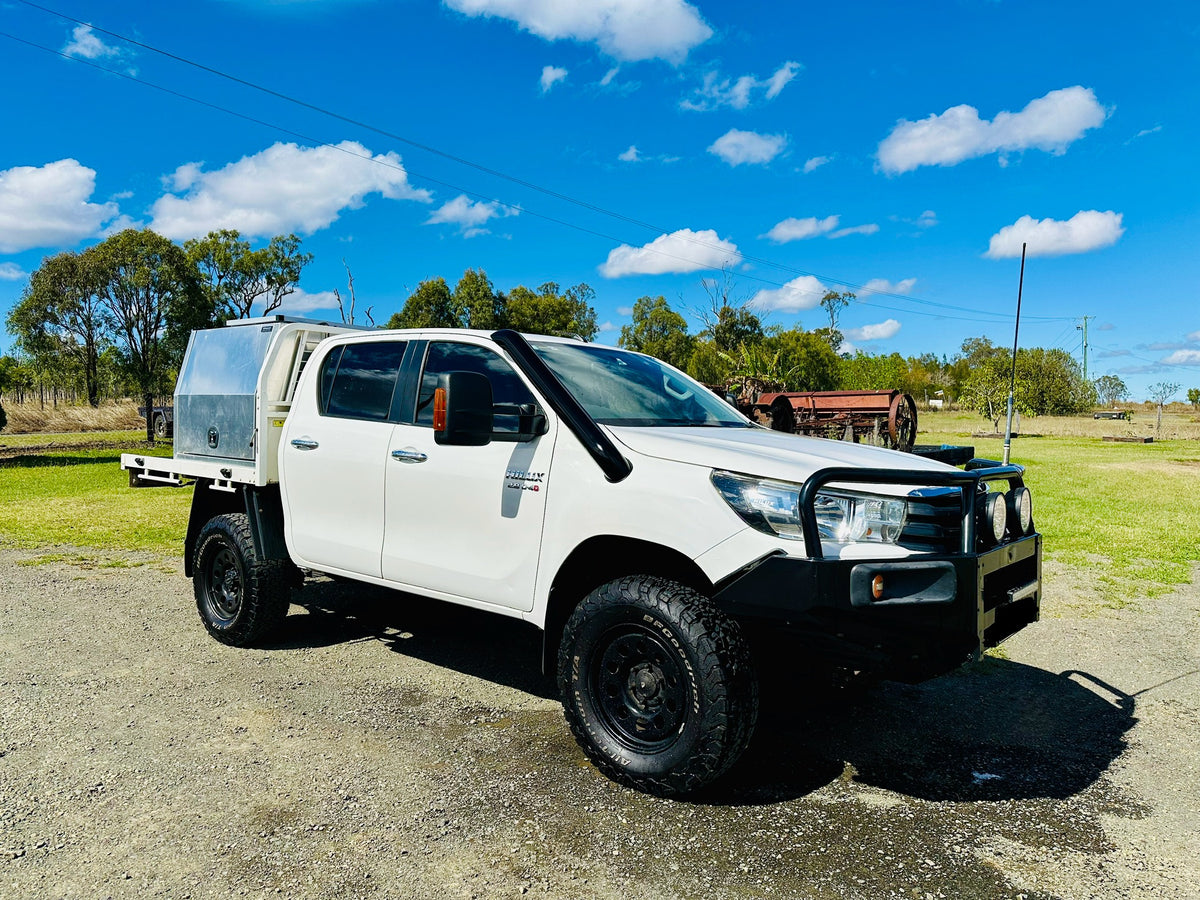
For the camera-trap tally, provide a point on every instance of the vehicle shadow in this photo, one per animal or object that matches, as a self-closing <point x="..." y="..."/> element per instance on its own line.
<point x="481" y="644"/>
<point x="995" y="730"/>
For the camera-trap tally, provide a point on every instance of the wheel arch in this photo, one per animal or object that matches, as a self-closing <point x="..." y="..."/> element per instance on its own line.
<point x="263" y="507"/>
<point x="599" y="560"/>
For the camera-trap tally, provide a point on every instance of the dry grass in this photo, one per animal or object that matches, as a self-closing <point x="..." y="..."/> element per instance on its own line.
<point x="1180" y="421"/>
<point x="31" y="418"/>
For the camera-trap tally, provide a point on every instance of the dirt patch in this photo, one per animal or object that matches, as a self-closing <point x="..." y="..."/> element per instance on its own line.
<point x="385" y="746"/>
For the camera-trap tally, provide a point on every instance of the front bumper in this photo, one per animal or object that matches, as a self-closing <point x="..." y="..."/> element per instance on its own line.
<point x="907" y="619"/>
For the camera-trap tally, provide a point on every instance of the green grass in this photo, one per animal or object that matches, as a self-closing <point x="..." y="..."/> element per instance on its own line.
<point x="38" y="439"/>
<point x="82" y="498"/>
<point x="1125" y="513"/>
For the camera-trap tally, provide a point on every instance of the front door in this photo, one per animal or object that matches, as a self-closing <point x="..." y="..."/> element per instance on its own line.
<point x="466" y="521"/>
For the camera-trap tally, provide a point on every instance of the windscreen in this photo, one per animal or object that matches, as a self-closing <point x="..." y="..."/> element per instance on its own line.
<point x="621" y="388"/>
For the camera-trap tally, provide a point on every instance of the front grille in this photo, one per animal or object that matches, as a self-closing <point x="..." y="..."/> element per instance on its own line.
<point x="934" y="523"/>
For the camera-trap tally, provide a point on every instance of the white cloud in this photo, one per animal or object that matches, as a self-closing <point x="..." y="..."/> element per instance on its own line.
<point x="801" y="229"/>
<point x="927" y="219"/>
<point x="283" y="188"/>
<point x="48" y="206"/>
<point x="676" y="253"/>
<point x="783" y="75"/>
<point x="552" y="75"/>
<point x="626" y="30"/>
<point x="855" y="229"/>
<point x="1182" y="358"/>
<point x="1049" y="123"/>
<point x="880" y="331"/>
<point x="631" y="155"/>
<point x="607" y="326"/>
<point x="811" y="165"/>
<point x="738" y="147"/>
<point x="85" y="44"/>
<point x="883" y="286"/>
<point x="184" y="177"/>
<point x="800" y="293"/>
<point x="1084" y="231"/>
<point x="625" y="311"/>
<point x="715" y="92"/>
<point x="11" y="272"/>
<point x="1194" y="336"/>
<point x="469" y="215"/>
<point x="609" y="76"/>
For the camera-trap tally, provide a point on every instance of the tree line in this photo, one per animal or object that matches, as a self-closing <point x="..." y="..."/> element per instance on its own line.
<point x="113" y="320"/>
<point x="734" y="351"/>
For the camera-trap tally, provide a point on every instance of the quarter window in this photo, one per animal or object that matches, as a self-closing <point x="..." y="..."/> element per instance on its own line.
<point x="358" y="380"/>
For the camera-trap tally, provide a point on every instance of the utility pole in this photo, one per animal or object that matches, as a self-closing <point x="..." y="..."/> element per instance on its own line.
<point x="1012" y="384"/>
<point x="1083" y="328"/>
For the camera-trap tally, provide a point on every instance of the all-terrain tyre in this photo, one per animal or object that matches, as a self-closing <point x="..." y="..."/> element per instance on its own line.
<point x="160" y="426"/>
<point x="240" y="597"/>
<point x="657" y="685"/>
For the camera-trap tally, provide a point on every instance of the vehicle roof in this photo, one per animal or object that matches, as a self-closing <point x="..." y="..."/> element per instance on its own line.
<point x="485" y="334"/>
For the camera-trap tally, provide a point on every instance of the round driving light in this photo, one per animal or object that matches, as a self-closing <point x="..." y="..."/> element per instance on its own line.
<point x="1020" y="510"/>
<point x="996" y="516"/>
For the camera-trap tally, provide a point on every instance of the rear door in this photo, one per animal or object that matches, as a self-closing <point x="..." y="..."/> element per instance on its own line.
<point x="466" y="521"/>
<point x="333" y="458"/>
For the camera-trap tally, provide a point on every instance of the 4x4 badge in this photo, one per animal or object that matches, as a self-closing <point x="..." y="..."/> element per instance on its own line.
<point x="520" y="480"/>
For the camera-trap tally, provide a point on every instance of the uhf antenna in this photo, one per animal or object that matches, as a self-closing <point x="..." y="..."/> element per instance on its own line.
<point x="1012" y="382"/>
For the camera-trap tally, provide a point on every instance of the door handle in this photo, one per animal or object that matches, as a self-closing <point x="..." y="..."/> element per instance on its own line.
<point x="304" y="444"/>
<point x="409" y="455"/>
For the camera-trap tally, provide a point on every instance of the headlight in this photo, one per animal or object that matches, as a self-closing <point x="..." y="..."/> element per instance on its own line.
<point x="850" y="518"/>
<point x="773" y="507"/>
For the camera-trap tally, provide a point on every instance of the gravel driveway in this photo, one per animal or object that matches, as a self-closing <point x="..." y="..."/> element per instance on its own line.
<point x="390" y="747"/>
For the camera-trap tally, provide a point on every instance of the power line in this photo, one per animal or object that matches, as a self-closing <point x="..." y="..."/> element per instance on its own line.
<point x="441" y="183"/>
<point x="999" y="317"/>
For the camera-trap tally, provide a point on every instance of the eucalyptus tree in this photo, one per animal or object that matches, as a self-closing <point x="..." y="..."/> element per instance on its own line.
<point x="60" y="313"/>
<point x="150" y="298"/>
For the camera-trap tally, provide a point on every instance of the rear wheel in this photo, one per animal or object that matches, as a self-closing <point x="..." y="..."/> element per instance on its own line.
<point x="657" y="685"/>
<point x="160" y="425"/>
<point x="240" y="597"/>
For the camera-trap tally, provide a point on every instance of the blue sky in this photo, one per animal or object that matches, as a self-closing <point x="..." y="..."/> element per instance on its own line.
<point x="900" y="150"/>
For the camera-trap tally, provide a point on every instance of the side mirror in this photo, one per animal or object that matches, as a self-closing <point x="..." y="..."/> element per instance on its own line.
<point x="462" y="409"/>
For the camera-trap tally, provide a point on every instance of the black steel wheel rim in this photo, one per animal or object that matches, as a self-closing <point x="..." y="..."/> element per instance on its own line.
<point x="224" y="592"/>
<point x="641" y="688"/>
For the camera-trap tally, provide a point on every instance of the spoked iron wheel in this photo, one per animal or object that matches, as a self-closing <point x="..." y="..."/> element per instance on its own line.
<point x="902" y="423"/>
<point x="641" y="687"/>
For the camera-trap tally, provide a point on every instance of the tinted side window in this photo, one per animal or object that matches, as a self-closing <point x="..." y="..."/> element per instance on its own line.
<point x="445" y="356"/>
<point x="358" y="381"/>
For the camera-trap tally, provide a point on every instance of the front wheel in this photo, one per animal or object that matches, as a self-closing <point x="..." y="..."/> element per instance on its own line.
<point x="240" y="597"/>
<point x="657" y="685"/>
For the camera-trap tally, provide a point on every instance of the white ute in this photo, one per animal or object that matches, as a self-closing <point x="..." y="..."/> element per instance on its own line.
<point x="666" y="546"/>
